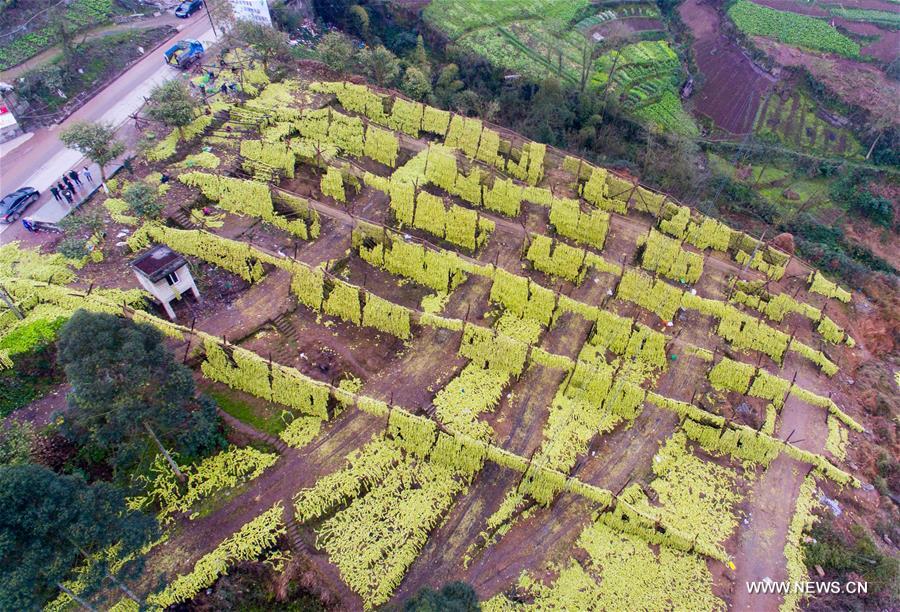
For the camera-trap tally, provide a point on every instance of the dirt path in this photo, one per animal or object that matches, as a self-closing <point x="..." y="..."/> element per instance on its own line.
<point x="518" y="423"/>
<point x="550" y="534"/>
<point x="294" y="470"/>
<point x="760" y="552"/>
<point x="262" y="302"/>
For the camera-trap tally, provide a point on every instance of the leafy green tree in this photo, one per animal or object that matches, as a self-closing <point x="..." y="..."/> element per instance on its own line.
<point x="16" y="438"/>
<point x="96" y="141"/>
<point x="415" y="84"/>
<point x="380" y="65"/>
<point x="79" y="228"/>
<point x="266" y="44"/>
<point x="359" y="17"/>
<point x="172" y="104"/>
<point x="53" y="526"/>
<point x="128" y="393"/>
<point x="142" y="200"/>
<point x="454" y="597"/>
<point x="447" y="86"/>
<point x="549" y="113"/>
<point x="335" y="49"/>
<point x="418" y="57"/>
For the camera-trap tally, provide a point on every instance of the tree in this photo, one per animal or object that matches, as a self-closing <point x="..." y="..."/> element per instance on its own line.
<point x="454" y="597"/>
<point x="221" y="12"/>
<point x="141" y="199"/>
<point x="52" y="527"/>
<point x="419" y="57"/>
<point x="380" y="65"/>
<point x="335" y="49"/>
<point x="16" y="438"/>
<point x="448" y="84"/>
<point x="415" y="84"/>
<point x="548" y="113"/>
<point x="266" y="44"/>
<point x="96" y="141"/>
<point x="360" y="19"/>
<point x="587" y="62"/>
<point x="64" y="31"/>
<point x="79" y="228"/>
<point x="172" y="104"/>
<point x="129" y="394"/>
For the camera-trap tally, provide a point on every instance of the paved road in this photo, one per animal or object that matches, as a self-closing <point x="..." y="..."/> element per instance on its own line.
<point x="39" y="161"/>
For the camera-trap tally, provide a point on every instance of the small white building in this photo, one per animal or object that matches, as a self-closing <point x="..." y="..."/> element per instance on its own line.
<point x="166" y="275"/>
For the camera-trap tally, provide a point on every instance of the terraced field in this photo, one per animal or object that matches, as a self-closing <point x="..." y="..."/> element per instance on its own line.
<point x="481" y="377"/>
<point x="549" y="37"/>
<point x="646" y="78"/>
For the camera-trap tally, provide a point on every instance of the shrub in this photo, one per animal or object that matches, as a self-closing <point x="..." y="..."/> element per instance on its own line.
<point x="141" y="199"/>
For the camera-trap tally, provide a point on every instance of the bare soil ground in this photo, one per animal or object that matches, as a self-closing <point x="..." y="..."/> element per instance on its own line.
<point x="733" y="86"/>
<point x="859" y="84"/>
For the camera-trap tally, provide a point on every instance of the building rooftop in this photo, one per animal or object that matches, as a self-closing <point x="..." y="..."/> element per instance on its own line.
<point x="158" y="262"/>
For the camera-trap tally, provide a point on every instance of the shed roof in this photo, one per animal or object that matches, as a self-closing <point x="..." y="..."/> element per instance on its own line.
<point x="158" y="262"/>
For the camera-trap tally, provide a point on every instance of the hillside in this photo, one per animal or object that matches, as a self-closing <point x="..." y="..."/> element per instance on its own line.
<point x="471" y="356"/>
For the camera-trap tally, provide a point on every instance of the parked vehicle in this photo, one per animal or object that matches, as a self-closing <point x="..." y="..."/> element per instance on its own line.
<point x="184" y="54"/>
<point x="13" y="205"/>
<point x="188" y="8"/>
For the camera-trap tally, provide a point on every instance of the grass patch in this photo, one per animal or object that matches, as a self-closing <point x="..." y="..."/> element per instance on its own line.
<point x="767" y="174"/>
<point x="31" y="378"/>
<point x="266" y="417"/>
<point x="846" y="555"/>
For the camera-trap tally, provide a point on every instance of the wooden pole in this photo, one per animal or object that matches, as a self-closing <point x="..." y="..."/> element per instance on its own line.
<point x="178" y="473"/>
<point x="75" y="597"/>
<point x="10" y="303"/>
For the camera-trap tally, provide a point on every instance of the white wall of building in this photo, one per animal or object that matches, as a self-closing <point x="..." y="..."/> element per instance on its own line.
<point x="252" y="10"/>
<point x="165" y="292"/>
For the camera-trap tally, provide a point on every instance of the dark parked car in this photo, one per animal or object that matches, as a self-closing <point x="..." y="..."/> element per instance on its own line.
<point x="188" y="8"/>
<point x="13" y="205"/>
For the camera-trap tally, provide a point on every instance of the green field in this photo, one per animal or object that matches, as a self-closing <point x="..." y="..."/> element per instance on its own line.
<point x="793" y="121"/>
<point x="877" y="17"/>
<point x="791" y="28"/>
<point x="79" y="14"/>
<point x="540" y="38"/>
<point x="457" y="17"/>
<point x="645" y="77"/>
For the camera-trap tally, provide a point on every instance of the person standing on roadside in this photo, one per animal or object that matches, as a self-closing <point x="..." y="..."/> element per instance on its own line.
<point x="68" y="182"/>
<point x="73" y="174"/>
<point x="55" y="191"/>
<point x="87" y="175"/>
<point x="68" y="196"/>
<point x="60" y="187"/>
